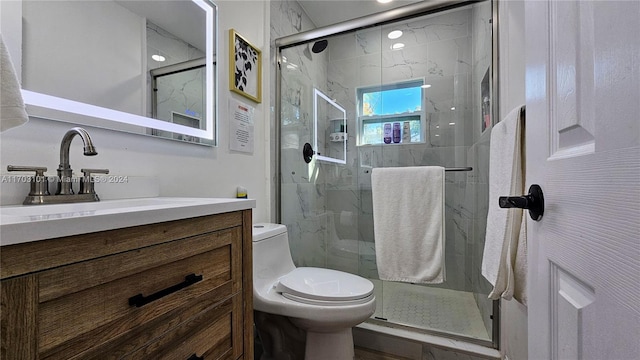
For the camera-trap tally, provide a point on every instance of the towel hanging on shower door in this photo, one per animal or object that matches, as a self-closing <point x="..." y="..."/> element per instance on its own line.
<point x="408" y="222"/>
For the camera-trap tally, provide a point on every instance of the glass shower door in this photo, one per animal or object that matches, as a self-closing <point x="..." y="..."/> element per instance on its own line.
<point x="422" y="77"/>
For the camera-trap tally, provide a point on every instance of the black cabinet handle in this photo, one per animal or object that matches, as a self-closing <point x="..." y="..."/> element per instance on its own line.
<point x="534" y="202"/>
<point x="140" y="300"/>
<point x="195" y="357"/>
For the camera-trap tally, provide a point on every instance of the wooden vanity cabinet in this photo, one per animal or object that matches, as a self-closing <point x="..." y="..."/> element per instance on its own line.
<point x="172" y="290"/>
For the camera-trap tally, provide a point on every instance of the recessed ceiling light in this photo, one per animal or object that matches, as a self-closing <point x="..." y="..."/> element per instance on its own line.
<point x="437" y="135"/>
<point x="384" y="1"/>
<point x="437" y="126"/>
<point x="452" y="123"/>
<point x="397" y="46"/>
<point x="394" y="34"/>
<point x="158" y="58"/>
<point x="426" y="86"/>
<point x="453" y="108"/>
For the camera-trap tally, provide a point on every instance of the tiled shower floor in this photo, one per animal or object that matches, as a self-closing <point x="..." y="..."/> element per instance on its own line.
<point x="429" y="308"/>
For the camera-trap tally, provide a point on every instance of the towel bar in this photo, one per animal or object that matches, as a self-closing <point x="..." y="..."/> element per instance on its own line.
<point x="459" y="169"/>
<point x="445" y="169"/>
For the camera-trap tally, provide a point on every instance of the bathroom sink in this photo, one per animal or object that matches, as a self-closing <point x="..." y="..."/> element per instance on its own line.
<point x="25" y="223"/>
<point x="58" y="211"/>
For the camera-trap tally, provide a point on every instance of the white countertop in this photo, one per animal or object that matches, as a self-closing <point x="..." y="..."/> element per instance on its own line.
<point x="25" y="223"/>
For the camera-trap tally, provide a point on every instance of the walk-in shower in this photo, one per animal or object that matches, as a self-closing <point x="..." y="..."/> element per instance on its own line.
<point x="427" y="69"/>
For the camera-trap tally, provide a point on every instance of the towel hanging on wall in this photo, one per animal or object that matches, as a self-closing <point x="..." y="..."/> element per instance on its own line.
<point x="408" y="222"/>
<point x="12" y="111"/>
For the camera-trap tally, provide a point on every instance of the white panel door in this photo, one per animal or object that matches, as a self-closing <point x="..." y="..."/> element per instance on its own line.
<point x="583" y="149"/>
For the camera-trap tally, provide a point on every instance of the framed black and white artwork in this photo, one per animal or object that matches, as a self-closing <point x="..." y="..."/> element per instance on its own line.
<point x="245" y="67"/>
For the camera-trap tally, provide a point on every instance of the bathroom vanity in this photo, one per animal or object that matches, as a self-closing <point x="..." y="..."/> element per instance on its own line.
<point x="136" y="279"/>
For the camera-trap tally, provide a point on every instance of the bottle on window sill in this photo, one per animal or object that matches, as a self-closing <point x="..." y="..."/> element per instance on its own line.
<point x="387" y="133"/>
<point x="396" y="133"/>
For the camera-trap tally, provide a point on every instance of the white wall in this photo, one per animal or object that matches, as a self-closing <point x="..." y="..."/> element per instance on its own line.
<point x="181" y="169"/>
<point x="513" y="315"/>
<point x="115" y="84"/>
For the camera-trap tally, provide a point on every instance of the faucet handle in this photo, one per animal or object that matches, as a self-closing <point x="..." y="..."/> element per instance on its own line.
<point x="38" y="169"/>
<point x="86" y="172"/>
<point x="39" y="182"/>
<point x="86" y="183"/>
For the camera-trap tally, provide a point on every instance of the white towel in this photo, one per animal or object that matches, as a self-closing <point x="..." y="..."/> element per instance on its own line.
<point x="12" y="112"/>
<point x="408" y="223"/>
<point x="504" y="259"/>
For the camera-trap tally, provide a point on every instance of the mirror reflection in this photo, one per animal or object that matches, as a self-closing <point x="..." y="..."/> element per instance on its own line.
<point x="138" y="66"/>
<point x="178" y="96"/>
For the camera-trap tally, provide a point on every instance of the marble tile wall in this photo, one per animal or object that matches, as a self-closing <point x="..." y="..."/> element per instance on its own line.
<point x="287" y="18"/>
<point x="303" y="186"/>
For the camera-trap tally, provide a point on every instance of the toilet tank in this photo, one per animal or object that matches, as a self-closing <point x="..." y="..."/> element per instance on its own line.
<point x="271" y="254"/>
<point x="263" y="231"/>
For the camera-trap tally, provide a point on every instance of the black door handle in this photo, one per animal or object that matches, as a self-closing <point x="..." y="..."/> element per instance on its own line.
<point x="195" y="357"/>
<point x="307" y="152"/>
<point x="534" y="202"/>
<point x="140" y="300"/>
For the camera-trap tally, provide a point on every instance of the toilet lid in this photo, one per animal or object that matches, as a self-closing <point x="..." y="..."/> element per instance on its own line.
<point x="324" y="286"/>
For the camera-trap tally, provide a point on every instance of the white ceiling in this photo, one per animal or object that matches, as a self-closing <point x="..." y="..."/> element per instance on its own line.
<point x="328" y="12"/>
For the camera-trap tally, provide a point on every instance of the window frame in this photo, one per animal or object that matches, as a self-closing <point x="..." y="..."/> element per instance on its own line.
<point x="362" y="119"/>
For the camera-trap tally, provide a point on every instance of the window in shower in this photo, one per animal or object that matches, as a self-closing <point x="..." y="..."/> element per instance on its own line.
<point x="387" y="104"/>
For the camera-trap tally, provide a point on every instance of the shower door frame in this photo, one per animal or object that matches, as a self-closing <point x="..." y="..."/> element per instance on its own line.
<point x="394" y="15"/>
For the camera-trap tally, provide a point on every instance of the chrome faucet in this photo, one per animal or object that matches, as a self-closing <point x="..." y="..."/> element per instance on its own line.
<point x="39" y="193"/>
<point x="64" y="169"/>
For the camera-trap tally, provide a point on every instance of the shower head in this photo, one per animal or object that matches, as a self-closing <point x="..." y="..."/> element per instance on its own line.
<point x="319" y="46"/>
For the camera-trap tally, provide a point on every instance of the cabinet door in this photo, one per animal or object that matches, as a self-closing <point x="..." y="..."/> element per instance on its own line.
<point x="212" y="334"/>
<point x="18" y="323"/>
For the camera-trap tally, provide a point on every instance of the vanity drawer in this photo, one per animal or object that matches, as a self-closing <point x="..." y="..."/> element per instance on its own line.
<point x="208" y="335"/>
<point x="21" y="259"/>
<point x="103" y="287"/>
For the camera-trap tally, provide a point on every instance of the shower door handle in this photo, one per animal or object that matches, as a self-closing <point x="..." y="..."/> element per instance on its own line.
<point x="307" y="152"/>
<point x="534" y="202"/>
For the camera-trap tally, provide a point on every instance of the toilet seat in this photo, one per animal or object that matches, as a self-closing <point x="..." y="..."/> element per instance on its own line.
<point x="324" y="287"/>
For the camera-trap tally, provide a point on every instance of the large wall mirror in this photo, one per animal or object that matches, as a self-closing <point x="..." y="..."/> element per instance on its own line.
<point x="146" y="67"/>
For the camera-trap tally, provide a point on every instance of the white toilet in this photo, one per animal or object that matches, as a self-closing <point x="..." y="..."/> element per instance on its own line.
<point x="314" y="305"/>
